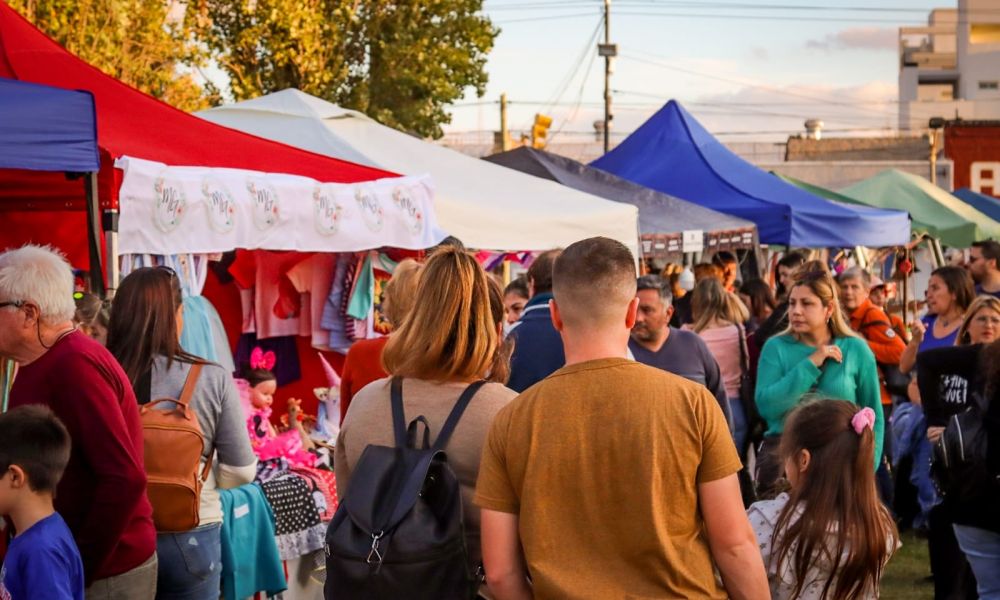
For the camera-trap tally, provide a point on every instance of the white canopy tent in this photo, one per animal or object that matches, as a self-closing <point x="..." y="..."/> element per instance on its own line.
<point x="485" y="205"/>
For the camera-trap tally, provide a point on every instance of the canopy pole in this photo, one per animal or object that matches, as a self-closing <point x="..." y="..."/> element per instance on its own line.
<point x="94" y="235"/>
<point x="110" y="226"/>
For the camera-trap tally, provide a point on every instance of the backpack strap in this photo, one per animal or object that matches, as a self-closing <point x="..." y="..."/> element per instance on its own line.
<point x="744" y="351"/>
<point x="456" y="413"/>
<point x="398" y="418"/>
<point x="189" y="384"/>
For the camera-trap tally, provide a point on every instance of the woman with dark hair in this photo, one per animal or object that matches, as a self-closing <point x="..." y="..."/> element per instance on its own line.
<point x="830" y="536"/>
<point x="759" y="298"/>
<point x="144" y="335"/>
<point x="949" y="293"/>
<point x="451" y="339"/>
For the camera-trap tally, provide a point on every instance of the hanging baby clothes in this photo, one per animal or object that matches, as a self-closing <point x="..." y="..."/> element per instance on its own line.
<point x="313" y="279"/>
<point x="203" y="334"/>
<point x="271" y="304"/>
<point x="332" y="320"/>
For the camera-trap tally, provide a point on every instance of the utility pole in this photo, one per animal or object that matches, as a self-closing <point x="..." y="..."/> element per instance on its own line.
<point x="608" y="51"/>
<point x="504" y="133"/>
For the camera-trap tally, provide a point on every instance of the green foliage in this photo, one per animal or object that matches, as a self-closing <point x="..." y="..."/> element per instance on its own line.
<point x="401" y="63"/>
<point x="131" y="40"/>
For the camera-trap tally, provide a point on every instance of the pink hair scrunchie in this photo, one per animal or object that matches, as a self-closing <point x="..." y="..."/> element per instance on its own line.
<point x="863" y="418"/>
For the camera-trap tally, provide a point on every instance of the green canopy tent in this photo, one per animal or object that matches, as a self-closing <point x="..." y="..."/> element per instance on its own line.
<point x="820" y="191"/>
<point x="932" y="209"/>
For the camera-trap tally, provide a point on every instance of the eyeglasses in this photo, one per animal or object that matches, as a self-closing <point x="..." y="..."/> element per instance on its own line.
<point x="14" y="303"/>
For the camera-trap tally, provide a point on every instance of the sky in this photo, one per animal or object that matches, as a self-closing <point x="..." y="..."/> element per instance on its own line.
<point x="749" y="70"/>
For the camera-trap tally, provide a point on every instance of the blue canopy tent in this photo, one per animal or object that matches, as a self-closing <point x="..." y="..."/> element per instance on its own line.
<point x="44" y="128"/>
<point x="671" y="152"/>
<point x="988" y="205"/>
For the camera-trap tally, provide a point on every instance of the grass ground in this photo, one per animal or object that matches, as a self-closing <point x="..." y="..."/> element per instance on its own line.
<point x="905" y="575"/>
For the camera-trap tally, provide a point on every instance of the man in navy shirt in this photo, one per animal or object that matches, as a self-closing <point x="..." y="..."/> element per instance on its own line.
<point x="655" y="343"/>
<point x="984" y="266"/>
<point x="538" y="349"/>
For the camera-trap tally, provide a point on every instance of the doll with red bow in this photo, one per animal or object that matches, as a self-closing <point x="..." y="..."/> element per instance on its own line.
<point x="257" y="393"/>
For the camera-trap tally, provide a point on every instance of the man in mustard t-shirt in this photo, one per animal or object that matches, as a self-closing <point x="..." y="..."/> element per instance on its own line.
<point x="616" y="479"/>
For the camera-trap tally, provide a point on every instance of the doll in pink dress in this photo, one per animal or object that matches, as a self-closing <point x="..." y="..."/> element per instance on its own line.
<point x="257" y="394"/>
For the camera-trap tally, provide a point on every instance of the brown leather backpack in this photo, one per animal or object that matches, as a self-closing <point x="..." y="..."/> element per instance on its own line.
<point x="173" y="448"/>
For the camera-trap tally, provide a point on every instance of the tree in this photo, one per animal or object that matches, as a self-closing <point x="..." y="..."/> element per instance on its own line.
<point x="401" y="63"/>
<point x="131" y="40"/>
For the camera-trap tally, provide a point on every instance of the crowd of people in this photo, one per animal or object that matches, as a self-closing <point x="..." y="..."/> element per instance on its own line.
<point x="608" y="435"/>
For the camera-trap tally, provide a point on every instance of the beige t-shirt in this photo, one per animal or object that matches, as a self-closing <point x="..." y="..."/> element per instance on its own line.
<point x="601" y="461"/>
<point x="369" y="421"/>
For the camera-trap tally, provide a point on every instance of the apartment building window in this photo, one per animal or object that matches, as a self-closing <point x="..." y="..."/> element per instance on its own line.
<point x="989" y="85"/>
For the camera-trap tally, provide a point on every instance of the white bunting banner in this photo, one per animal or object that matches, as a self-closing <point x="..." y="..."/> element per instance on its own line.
<point x="173" y="210"/>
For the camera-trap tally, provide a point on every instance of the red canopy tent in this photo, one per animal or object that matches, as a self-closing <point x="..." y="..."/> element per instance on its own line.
<point x="47" y="208"/>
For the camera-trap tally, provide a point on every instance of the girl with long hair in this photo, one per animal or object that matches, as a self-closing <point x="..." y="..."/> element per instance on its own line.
<point x="144" y="335"/>
<point x="817" y="353"/>
<point x="451" y="339"/>
<point x="829" y="537"/>
<point x="718" y="320"/>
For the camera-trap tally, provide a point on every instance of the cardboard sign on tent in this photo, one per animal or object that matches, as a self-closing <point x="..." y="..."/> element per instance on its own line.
<point x="663" y="218"/>
<point x="672" y="152"/>
<point x="486" y="206"/>
<point x="934" y="210"/>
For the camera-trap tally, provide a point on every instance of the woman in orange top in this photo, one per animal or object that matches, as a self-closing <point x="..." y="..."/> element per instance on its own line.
<point x="363" y="364"/>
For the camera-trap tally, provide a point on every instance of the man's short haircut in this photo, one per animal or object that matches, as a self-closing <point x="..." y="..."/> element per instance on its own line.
<point x="540" y="271"/>
<point x="39" y="275"/>
<point x="792" y="260"/>
<point x="593" y="282"/>
<point x="32" y="438"/>
<point x="655" y="282"/>
<point x="990" y="250"/>
<point x="856" y="273"/>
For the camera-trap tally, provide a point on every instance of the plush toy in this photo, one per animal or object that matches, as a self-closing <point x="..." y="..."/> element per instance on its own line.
<point x="328" y="411"/>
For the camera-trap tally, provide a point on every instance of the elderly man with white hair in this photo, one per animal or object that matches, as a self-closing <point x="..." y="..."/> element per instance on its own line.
<point x="102" y="495"/>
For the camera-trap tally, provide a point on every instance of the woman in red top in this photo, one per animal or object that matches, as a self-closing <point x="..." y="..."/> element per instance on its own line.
<point x="363" y="364"/>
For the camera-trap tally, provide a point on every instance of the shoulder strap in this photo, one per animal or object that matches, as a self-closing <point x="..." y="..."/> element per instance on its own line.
<point x="189" y="384"/>
<point x="398" y="418"/>
<point x="456" y="414"/>
<point x="744" y="350"/>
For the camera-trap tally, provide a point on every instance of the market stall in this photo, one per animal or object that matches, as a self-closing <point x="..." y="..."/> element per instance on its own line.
<point x="486" y="206"/>
<point x="672" y="152"/>
<point x="934" y="210"/>
<point x="663" y="219"/>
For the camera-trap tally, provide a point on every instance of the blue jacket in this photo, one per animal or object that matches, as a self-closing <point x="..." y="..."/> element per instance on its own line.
<point x="538" y="348"/>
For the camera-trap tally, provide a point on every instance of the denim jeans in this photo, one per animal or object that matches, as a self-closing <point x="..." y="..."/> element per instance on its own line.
<point x="190" y="564"/>
<point x="982" y="548"/>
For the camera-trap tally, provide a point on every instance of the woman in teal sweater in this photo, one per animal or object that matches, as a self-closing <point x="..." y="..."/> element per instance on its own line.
<point x="817" y="354"/>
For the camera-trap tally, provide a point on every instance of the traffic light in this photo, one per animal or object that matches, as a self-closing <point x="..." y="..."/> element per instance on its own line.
<point x="540" y="129"/>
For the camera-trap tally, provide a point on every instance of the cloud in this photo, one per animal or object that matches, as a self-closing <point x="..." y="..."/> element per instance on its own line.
<point x="857" y="38"/>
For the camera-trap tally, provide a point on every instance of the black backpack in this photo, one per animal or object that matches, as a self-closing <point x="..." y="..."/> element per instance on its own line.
<point x="398" y="532"/>
<point x="959" y="463"/>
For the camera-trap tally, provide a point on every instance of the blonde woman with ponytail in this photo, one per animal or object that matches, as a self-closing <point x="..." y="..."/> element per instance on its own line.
<point x="818" y="353"/>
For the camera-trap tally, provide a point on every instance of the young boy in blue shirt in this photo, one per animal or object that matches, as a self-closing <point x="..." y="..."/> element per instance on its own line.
<point x="42" y="560"/>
